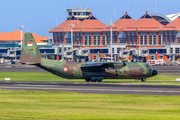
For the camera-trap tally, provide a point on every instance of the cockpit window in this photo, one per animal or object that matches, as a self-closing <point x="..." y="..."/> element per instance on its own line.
<point x="148" y="66"/>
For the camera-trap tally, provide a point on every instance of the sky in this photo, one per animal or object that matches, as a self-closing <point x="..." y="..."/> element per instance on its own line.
<point x="39" y="16"/>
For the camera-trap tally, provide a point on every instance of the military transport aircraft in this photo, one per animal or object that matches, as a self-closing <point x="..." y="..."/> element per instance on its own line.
<point x="90" y="71"/>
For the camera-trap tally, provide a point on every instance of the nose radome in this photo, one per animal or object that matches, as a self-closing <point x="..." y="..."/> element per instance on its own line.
<point x="154" y="72"/>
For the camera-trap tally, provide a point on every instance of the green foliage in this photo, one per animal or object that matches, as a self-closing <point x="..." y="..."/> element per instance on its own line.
<point x="40" y="105"/>
<point x="50" y="56"/>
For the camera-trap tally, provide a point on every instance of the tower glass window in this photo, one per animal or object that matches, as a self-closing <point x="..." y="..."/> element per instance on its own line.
<point x="98" y="40"/>
<point x="59" y="37"/>
<point x="55" y="38"/>
<point x="128" y="40"/>
<point x="178" y="39"/>
<point x="145" y="40"/>
<point x="150" y="40"/>
<point x="159" y="40"/>
<point x="89" y="40"/>
<point x="122" y="40"/>
<point x="62" y="38"/>
<point x="85" y="40"/>
<point x="132" y="38"/>
<point x="170" y="38"/>
<point x="95" y="40"/>
<point x="108" y="39"/>
<point x="136" y="40"/>
<point x="154" y="40"/>
<point x="116" y="40"/>
<point x="166" y="39"/>
<point x="77" y="38"/>
<point x="104" y="40"/>
<point x="74" y="40"/>
<point x="141" y="40"/>
<point x="81" y="40"/>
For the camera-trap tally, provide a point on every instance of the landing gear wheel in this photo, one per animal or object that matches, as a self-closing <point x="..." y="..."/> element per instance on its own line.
<point x="88" y="80"/>
<point x="93" y="80"/>
<point x="99" y="80"/>
<point x="143" y="79"/>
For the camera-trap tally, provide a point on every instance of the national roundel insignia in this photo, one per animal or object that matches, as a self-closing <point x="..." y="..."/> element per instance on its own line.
<point x="65" y="69"/>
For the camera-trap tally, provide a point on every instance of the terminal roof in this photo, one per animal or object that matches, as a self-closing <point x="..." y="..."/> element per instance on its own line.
<point x="173" y="26"/>
<point x="64" y="27"/>
<point x="15" y="36"/>
<point x="145" y="23"/>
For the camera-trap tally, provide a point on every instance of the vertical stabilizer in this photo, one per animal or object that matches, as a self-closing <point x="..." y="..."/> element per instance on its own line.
<point x="30" y="53"/>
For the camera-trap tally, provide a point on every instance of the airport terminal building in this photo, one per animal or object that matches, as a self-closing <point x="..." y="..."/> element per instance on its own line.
<point x="82" y="37"/>
<point x="148" y="38"/>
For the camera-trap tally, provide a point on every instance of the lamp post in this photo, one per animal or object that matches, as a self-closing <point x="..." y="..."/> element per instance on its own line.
<point x="111" y="39"/>
<point x="21" y="27"/>
<point x="71" y="25"/>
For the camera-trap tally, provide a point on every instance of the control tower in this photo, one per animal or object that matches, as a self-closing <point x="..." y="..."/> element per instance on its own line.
<point x="80" y="14"/>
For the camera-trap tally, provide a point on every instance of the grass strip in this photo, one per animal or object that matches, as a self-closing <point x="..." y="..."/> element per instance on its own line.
<point x="40" y="105"/>
<point x="32" y="76"/>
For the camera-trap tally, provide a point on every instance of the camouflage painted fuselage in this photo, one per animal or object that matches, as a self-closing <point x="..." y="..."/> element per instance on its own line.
<point x="74" y="70"/>
<point x="30" y="54"/>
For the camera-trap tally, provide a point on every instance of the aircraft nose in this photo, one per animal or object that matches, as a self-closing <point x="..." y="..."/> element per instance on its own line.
<point x="154" y="72"/>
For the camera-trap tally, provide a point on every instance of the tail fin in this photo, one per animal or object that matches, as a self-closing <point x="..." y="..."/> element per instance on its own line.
<point x="30" y="53"/>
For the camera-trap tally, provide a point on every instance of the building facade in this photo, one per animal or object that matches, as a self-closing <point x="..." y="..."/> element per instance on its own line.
<point x="147" y="38"/>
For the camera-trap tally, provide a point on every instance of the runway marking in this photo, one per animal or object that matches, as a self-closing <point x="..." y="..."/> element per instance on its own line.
<point x="36" y="85"/>
<point x="63" y="89"/>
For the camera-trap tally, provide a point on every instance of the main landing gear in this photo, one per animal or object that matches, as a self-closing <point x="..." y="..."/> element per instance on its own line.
<point x="143" y="79"/>
<point x="94" y="79"/>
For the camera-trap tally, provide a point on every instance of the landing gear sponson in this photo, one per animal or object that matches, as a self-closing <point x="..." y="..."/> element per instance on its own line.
<point x="99" y="79"/>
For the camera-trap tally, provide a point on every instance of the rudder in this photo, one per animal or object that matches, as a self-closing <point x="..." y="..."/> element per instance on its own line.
<point x="30" y="53"/>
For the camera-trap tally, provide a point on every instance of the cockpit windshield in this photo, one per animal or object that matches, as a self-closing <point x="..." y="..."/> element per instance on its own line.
<point x="147" y="65"/>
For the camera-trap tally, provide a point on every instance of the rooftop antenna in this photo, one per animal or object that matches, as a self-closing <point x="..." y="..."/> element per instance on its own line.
<point x="155" y="6"/>
<point x="81" y="4"/>
<point x="131" y="14"/>
<point x="56" y="22"/>
<point x="71" y="5"/>
<point x="114" y="13"/>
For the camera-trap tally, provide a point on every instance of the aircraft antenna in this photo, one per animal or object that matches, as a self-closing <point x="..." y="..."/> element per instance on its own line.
<point x="155" y="6"/>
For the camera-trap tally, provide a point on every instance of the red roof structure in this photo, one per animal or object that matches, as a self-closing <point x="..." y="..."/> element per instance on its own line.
<point x="173" y="26"/>
<point x="16" y="36"/>
<point x="145" y="23"/>
<point x="64" y="27"/>
<point x="90" y="24"/>
<point x="121" y="23"/>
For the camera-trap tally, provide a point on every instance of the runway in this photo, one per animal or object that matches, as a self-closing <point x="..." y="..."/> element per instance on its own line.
<point x="96" y="88"/>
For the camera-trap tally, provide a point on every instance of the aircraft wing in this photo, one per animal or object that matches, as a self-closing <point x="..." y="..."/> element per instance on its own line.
<point x="104" y="64"/>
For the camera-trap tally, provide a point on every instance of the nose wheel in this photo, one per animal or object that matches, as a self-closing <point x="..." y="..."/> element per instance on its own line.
<point x="143" y="79"/>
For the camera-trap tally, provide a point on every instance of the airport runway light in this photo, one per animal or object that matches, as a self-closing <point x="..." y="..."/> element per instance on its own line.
<point x="72" y="25"/>
<point x="111" y="39"/>
<point x="21" y="27"/>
